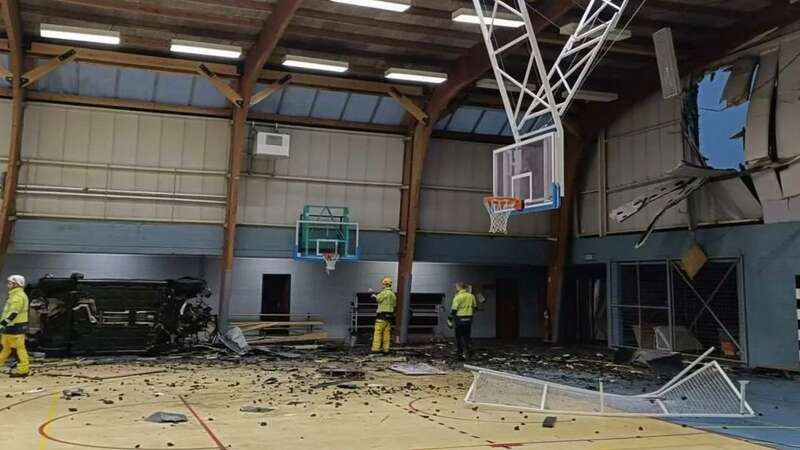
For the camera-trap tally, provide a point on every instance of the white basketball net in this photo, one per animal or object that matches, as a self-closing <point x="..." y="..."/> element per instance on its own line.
<point x="330" y="261"/>
<point x="500" y="209"/>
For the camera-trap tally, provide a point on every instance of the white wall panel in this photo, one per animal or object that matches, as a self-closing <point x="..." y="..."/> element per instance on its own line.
<point x="358" y="170"/>
<point x="641" y="146"/>
<point x="457" y="176"/>
<point x="115" y="153"/>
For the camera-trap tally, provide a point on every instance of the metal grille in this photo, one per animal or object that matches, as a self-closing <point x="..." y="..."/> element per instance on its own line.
<point x="700" y="390"/>
<point x="655" y="305"/>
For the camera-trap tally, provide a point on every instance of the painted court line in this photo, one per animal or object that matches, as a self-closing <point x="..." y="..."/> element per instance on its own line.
<point x="210" y="433"/>
<point x="51" y="413"/>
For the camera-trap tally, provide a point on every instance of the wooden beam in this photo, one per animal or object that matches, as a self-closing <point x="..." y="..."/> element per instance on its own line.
<point x="561" y="228"/>
<point x="326" y="123"/>
<point x="138" y="105"/>
<point x="38" y="72"/>
<point x="469" y="68"/>
<point x="421" y="140"/>
<point x="271" y="32"/>
<point x="340" y="83"/>
<point x="8" y="210"/>
<point x="265" y="93"/>
<point x="223" y="87"/>
<point x="410" y="106"/>
<point x="126" y="59"/>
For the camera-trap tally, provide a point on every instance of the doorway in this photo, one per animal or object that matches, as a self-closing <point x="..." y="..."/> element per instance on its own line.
<point x="507" y="317"/>
<point x="275" y="297"/>
<point x="584" y="314"/>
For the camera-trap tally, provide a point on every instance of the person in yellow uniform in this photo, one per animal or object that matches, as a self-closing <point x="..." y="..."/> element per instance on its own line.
<point x="14" y="325"/>
<point x="387" y="300"/>
<point x="464" y="304"/>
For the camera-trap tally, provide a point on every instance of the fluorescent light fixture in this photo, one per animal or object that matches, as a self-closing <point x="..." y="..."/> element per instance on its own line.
<point x="326" y="65"/>
<point x="468" y="15"/>
<point x="489" y="83"/>
<point x="420" y="76"/>
<point x="50" y="31"/>
<point x="205" y="49"/>
<point x="613" y="35"/>
<point x="594" y="96"/>
<point x="393" y="5"/>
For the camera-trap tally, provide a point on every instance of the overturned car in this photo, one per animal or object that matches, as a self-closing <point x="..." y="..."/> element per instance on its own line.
<point x="75" y="315"/>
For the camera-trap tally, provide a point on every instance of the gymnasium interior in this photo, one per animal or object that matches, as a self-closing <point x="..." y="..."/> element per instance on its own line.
<point x="400" y="224"/>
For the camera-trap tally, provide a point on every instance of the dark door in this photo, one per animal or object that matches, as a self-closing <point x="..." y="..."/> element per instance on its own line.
<point x="583" y="308"/>
<point x="507" y="322"/>
<point x="275" y="297"/>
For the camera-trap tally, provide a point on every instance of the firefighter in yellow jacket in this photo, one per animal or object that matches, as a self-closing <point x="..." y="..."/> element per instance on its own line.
<point x="14" y="325"/>
<point x="464" y="305"/>
<point x="387" y="300"/>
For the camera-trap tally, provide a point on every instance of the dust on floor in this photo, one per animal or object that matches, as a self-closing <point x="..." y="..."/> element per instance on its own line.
<point x="355" y="402"/>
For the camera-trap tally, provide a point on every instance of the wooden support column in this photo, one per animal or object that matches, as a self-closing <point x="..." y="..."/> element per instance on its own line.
<point x="561" y="229"/>
<point x="8" y="210"/>
<point x="419" y="150"/>
<point x="257" y="56"/>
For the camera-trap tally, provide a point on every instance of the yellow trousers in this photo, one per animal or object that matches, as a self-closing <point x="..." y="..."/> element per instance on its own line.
<point x="382" y="338"/>
<point x="15" y="342"/>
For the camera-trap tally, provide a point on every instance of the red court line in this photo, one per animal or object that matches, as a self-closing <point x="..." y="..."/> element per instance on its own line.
<point x="211" y="434"/>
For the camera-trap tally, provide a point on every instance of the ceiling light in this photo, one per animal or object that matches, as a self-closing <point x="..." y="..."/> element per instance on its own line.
<point x="420" y="76"/>
<point x="594" y="96"/>
<point x="305" y="62"/>
<point x="79" y="34"/>
<point x="613" y="35"/>
<point x="468" y="15"/>
<point x="393" y="5"/>
<point x="205" y="49"/>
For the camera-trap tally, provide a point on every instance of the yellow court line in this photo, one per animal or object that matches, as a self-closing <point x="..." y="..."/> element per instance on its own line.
<point x="51" y="413"/>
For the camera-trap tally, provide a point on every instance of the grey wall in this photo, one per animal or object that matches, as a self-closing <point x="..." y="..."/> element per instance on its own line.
<point x="771" y="259"/>
<point x="80" y="236"/>
<point x="362" y="171"/>
<point x="313" y="291"/>
<point x="121" y="156"/>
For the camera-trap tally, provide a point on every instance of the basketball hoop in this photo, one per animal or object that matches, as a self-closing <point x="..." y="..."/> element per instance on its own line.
<point x="330" y="261"/>
<point x="500" y="209"/>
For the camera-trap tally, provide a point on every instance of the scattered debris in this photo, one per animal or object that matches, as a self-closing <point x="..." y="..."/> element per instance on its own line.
<point x="166" y="417"/>
<point x="35" y="391"/>
<point x="343" y="372"/>
<point x="549" y="422"/>
<point x="662" y="363"/>
<point x="67" y="394"/>
<point x="416" y="369"/>
<point x="255" y="409"/>
<point x="234" y="339"/>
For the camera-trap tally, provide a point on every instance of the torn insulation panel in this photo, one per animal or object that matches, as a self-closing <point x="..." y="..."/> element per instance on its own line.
<point x="787" y="110"/>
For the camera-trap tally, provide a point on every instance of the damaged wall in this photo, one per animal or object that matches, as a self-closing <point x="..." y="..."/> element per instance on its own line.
<point x="312" y="291"/>
<point x="771" y="260"/>
<point x="646" y="141"/>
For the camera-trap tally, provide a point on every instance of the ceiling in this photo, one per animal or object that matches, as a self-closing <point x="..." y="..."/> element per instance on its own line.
<point x="424" y="37"/>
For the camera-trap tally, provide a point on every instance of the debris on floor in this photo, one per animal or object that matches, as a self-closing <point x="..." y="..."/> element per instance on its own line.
<point x="255" y="409"/>
<point x="166" y="417"/>
<point x="416" y="369"/>
<point x="67" y="394"/>
<point x="549" y="422"/>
